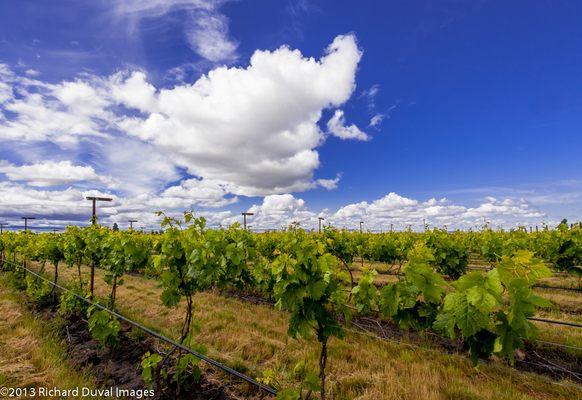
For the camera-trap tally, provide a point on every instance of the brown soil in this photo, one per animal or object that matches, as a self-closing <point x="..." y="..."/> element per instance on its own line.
<point x="120" y="367"/>
<point x="551" y="361"/>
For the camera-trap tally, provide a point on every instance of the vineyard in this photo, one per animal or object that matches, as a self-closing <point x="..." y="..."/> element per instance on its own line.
<point x="203" y="312"/>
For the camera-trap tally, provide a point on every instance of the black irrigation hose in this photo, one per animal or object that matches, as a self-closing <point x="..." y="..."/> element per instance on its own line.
<point x="210" y="361"/>
<point x="538" y="286"/>
<point x="551" y="321"/>
<point x="245" y="377"/>
<point x="573" y="289"/>
<point x="566" y="346"/>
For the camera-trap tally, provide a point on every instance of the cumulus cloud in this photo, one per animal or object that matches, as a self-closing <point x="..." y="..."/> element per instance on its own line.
<point x="493" y="207"/>
<point x="394" y="210"/>
<point x="329" y="184"/>
<point x="337" y="127"/>
<point x="52" y="173"/>
<point x="60" y="113"/>
<point x="17" y="200"/>
<point x="279" y="211"/>
<point x="5" y="93"/>
<point x="206" y="192"/>
<point x="57" y="208"/>
<point x="213" y="128"/>
<point x="274" y="212"/>
<point x="402" y="212"/>
<point x="212" y="133"/>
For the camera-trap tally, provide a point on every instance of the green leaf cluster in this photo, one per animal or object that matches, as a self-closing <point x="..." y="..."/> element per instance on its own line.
<point x="413" y="301"/>
<point x="103" y="326"/>
<point x="477" y="309"/>
<point x="307" y="285"/>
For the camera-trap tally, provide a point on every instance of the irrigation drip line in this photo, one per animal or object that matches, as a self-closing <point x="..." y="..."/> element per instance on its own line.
<point x="566" y="346"/>
<point x="538" y="286"/>
<point x="573" y="289"/>
<point x="390" y="272"/>
<point x="362" y="331"/>
<point x="551" y="321"/>
<point x="553" y="368"/>
<point x="548" y="321"/>
<point x="209" y="360"/>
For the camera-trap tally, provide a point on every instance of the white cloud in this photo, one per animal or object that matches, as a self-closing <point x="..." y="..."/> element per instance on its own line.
<point x="201" y="192"/>
<point x="80" y="98"/>
<point x="370" y="96"/>
<point x="17" y="200"/>
<point x="213" y="129"/>
<point x="402" y="212"/>
<point x="59" y="113"/>
<point x="210" y="128"/>
<point x="208" y="36"/>
<point x="140" y="167"/>
<point x="376" y="120"/>
<point x="156" y="8"/>
<point x="56" y="208"/>
<point x="142" y="136"/>
<point x="329" y="184"/>
<point x="143" y="207"/>
<point x="507" y="207"/>
<point x="32" y="72"/>
<point x="6" y="78"/>
<point x="337" y="127"/>
<point x="205" y="27"/>
<point x="51" y="173"/>
<point x="133" y="90"/>
<point x="5" y="94"/>
<point x="280" y="210"/>
<point x="274" y="212"/>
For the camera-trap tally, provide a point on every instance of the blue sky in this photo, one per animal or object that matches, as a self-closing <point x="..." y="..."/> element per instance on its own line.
<point x="464" y="111"/>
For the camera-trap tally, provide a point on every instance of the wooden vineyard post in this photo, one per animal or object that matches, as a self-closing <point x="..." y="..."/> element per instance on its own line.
<point x="92" y="280"/>
<point x="25" y="230"/>
<point x="94" y="200"/>
<point x="245" y="214"/>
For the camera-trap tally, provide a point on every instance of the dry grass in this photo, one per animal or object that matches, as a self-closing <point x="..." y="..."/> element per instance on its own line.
<point x="567" y="301"/>
<point x="31" y="354"/>
<point x="380" y="279"/>
<point x="252" y="338"/>
<point x="559" y="280"/>
<point x="567" y="306"/>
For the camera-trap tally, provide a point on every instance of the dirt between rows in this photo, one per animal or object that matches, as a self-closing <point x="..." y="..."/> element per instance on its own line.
<point x="544" y="360"/>
<point x="120" y="367"/>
